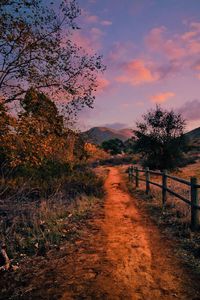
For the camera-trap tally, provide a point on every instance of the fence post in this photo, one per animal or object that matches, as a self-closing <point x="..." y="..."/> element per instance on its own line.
<point x="129" y="174"/>
<point x="164" y="187"/>
<point x="136" y="177"/>
<point x="147" y="175"/>
<point x="195" y="212"/>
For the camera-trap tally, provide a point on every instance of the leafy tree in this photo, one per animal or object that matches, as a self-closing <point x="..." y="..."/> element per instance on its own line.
<point x="159" y="138"/>
<point x="6" y="134"/>
<point x="129" y="145"/>
<point x="40" y="132"/>
<point x="36" y="50"/>
<point x="113" y="146"/>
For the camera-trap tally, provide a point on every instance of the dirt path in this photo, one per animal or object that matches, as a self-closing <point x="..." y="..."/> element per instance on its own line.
<point x="119" y="255"/>
<point x="142" y="265"/>
<point x="130" y="257"/>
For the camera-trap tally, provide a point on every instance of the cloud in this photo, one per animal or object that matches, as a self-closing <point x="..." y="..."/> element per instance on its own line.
<point x="116" y="125"/>
<point x="176" y="52"/>
<point x="172" y="48"/>
<point x="91" y="19"/>
<point x="90" y="41"/>
<point x="94" y="19"/>
<point x="96" y="32"/>
<point x="106" y="23"/>
<point x="120" y="51"/>
<point x="191" y="110"/>
<point x="137" y="72"/>
<point x="162" y="97"/>
<point x="176" y="46"/>
<point x="103" y="85"/>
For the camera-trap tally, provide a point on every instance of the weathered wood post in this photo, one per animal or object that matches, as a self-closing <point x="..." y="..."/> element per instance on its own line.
<point x="195" y="212"/>
<point x="136" y="177"/>
<point x="164" y="187"/>
<point x="147" y="175"/>
<point x="129" y="174"/>
<point x="132" y="175"/>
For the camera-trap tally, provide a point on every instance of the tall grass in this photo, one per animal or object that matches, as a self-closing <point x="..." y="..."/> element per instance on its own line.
<point x="36" y="210"/>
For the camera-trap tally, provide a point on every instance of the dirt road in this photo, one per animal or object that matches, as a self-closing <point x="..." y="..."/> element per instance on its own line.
<point x="143" y="265"/>
<point x="120" y="255"/>
<point x="132" y="259"/>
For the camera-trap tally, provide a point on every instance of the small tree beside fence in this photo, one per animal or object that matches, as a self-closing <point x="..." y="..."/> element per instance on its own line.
<point x="194" y="201"/>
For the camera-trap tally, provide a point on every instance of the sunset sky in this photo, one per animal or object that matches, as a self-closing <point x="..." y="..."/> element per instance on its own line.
<point x="152" y="52"/>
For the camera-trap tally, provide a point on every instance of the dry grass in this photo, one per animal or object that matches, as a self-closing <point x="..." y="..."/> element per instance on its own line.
<point x="34" y="228"/>
<point x="179" y="209"/>
<point x="174" y="218"/>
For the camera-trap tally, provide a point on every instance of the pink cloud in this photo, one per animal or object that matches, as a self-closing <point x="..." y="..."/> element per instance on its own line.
<point x="195" y="26"/>
<point x="103" y="84"/>
<point x="83" y="41"/>
<point x="194" y="47"/>
<point x="190" y="110"/>
<point x="120" y="51"/>
<point x="177" y="46"/>
<point x="106" y="23"/>
<point x="89" y="41"/>
<point x="137" y="72"/>
<point x="96" y="32"/>
<point x="91" y="19"/>
<point x="156" y="41"/>
<point x="94" y="19"/>
<point x="188" y="35"/>
<point x="178" y="51"/>
<point x="162" y="97"/>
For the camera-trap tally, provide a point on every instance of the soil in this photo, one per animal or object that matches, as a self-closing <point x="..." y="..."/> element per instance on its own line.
<point x="120" y="255"/>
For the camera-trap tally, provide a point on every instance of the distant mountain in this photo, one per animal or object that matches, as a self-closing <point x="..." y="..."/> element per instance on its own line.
<point x="98" y="135"/>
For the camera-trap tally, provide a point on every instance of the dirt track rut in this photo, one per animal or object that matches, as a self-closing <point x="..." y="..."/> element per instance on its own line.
<point x="132" y="259"/>
<point x="119" y="255"/>
<point x="140" y="264"/>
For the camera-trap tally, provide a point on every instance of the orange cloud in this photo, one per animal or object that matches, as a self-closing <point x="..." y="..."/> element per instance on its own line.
<point x="162" y="97"/>
<point x="136" y="72"/>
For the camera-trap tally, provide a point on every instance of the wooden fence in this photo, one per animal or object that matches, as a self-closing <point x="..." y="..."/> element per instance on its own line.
<point x="194" y="201"/>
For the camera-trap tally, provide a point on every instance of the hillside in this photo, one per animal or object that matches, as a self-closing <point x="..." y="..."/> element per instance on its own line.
<point x="194" y="134"/>
<point x="99" y="134"/>
<point x="193" y="137"/>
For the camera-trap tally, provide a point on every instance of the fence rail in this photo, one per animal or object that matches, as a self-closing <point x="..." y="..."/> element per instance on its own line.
<point x="194" y="201"/>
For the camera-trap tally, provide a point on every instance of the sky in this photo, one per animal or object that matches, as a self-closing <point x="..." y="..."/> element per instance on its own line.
<point x="151" y="49"/>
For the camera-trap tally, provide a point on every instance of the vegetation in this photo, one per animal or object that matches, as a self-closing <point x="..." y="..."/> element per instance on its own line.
<point x="42" y="164"/>
<point x="36" y="49"/>
<point x="42" y="160"/>
<point x="160" y="139"/>
<point x="113" y="146"/>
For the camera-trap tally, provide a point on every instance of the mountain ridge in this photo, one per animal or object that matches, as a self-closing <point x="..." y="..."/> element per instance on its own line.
<point x="99" y="134"/>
